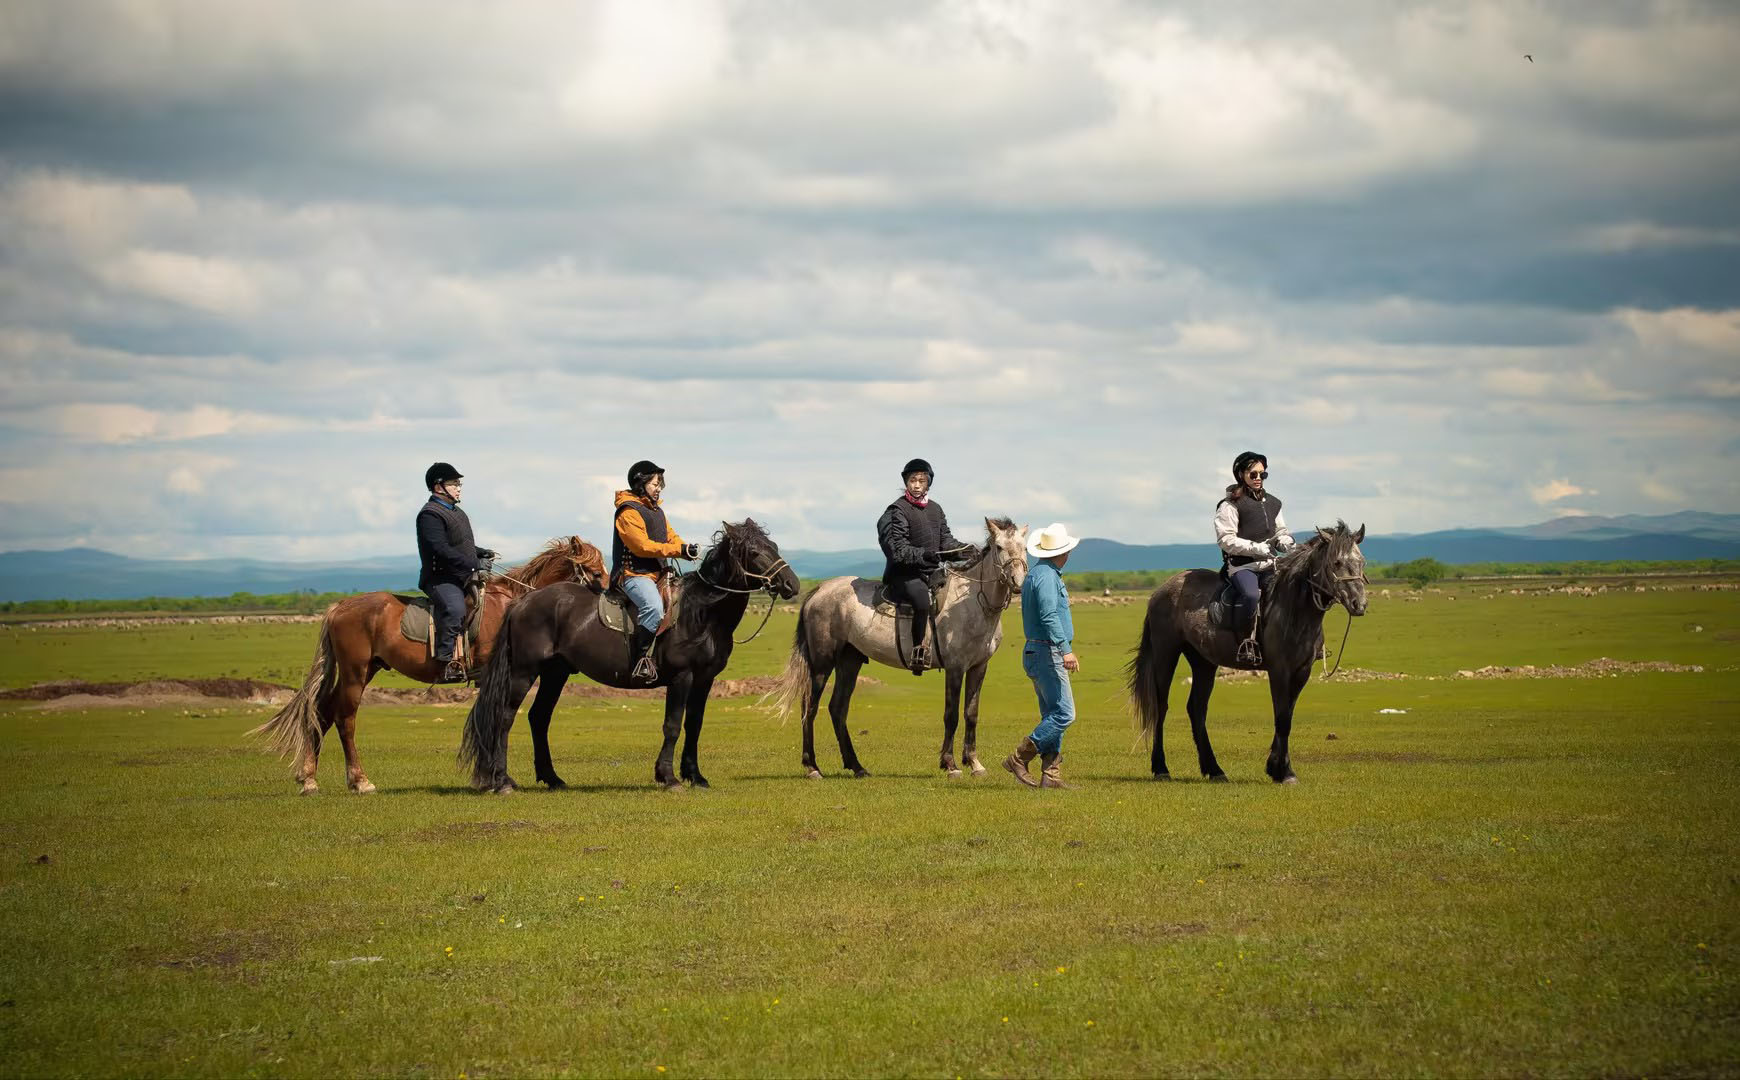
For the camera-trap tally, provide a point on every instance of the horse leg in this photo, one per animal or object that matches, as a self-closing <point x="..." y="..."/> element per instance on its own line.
<point x="692" y="717"/>
<point x="846" y="681"/>
<point x="970" y="710"/>
<point x="676" y="697"/>
<point x="1202" y="673"/>
<point x="1165" y="667"/>
<point x="346" y="697"/>
<point x="1284" y="689"/>
<point x="819" y="673"/>
<point x="951" y="717"/>
<point x="551" y="678"/>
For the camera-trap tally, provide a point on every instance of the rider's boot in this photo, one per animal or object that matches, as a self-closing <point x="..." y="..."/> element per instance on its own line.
<point x="645" y="672"/>
<point x="1051" y="774"/>
<point x="1020" y="758"/>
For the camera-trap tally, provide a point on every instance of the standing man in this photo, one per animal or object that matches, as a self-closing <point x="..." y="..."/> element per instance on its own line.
<point x="450" y="556"/>
<point x="1250" y="531"/>
<point x="1048" y="657"/>
<point x="914" y="532"/>
<point x="643" y="541"/>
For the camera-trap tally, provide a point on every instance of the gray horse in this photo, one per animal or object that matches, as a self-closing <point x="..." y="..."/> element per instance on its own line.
<point x="839" y="629"/>
<point x="1326" y="570"/>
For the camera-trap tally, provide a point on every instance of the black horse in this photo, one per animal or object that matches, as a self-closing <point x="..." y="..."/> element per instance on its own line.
<point x="1325" y="570"/>
<point x="554" y="632"/>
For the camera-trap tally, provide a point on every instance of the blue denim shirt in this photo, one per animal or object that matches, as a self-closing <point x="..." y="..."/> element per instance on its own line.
<point x="1045" y="607"/>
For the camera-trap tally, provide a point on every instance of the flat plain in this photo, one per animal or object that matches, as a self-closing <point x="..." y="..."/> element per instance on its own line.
<point x="1532" y="874"/>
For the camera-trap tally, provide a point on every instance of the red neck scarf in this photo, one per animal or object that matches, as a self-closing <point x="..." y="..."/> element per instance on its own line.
<point x="920" y="503"/>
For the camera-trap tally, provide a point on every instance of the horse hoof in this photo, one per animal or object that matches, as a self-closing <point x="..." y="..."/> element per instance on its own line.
<point x="1219" y="778"/>
<point x="860" y="773"/>
<point x="674" y="786"/>
<point x="364" y="788"/>
<point x="978" y="769"/>
<point x="309" y="787"/>
<point x="813" y="774"/>
<point x="699" y="781"/>
<point x="953" y="773"/>
<point x="554" y="783"/>
<point x="1161" y="776"/>
<point x="503" y="789"/>
<point x="1288" y="780"/>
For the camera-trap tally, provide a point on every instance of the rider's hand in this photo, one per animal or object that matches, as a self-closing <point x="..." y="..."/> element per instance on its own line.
<point x="1070" y="663"/>
<point x="487" y="554"/>
<point x="691" y="551"/>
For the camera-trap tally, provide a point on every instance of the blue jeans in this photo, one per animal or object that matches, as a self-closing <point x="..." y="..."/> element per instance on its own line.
<point x="649" y="608"/>
<point x="1248" y="584"/>
<point x="1044" y="665"/>
<point x="448" y="607"/>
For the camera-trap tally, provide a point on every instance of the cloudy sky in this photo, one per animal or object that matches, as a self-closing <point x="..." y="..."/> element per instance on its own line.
<point x="261" y="263"/>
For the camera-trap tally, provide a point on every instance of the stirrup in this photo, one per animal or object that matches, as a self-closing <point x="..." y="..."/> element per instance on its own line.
<point x="454" y="672"/>
<point x="645" y="670"/>
<point x="1249" y="652"/>
<point x="920" y="660"/>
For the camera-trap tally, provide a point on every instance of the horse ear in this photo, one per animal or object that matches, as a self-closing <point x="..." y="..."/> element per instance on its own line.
<point x="1359" y="537"/>
<point x="1325" y="533"/>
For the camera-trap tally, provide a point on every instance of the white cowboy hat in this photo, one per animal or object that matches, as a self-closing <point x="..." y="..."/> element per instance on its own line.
<point x="1054" y="539"/>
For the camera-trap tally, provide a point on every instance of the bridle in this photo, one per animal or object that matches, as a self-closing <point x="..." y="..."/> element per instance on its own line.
<point x="767" y="585"/>
<point x="1005" y="577"/>
<point x="1325" y="598"/>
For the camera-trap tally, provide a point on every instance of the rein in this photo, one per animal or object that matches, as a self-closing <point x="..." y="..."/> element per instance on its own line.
<point x="1324" y="599"/>
<point x="766" y="586"/>
<point x="1005" y="575"/>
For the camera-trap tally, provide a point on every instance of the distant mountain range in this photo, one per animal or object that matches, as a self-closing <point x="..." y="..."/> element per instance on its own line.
<point x="85" y="574"/>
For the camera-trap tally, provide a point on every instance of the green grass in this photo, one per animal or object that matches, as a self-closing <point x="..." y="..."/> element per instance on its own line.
<point x="1531" y="877"/>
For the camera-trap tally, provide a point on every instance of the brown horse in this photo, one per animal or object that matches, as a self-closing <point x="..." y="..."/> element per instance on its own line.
<point x="360" y="636"/>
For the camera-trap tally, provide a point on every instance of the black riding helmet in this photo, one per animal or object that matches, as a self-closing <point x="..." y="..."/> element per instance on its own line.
<point x="440" y="473"/>
<point x="1243" y="462"/>
<point x="639" y="473"/>
<point x="918" y="464"/>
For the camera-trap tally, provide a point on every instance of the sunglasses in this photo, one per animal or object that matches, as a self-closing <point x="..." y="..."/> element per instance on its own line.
<point x="1257" y="475"/>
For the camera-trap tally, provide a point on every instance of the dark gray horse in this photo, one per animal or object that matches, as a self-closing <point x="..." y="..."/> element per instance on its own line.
<point x="555" y="632"/>
<point x="1326" y="570"/>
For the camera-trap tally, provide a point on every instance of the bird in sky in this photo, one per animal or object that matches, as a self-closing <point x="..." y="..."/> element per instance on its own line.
<point x="1530" y="57"/>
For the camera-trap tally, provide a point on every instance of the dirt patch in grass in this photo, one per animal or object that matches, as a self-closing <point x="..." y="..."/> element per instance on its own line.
<point x="1597" y="668"/>
<point x="225" y="952"/>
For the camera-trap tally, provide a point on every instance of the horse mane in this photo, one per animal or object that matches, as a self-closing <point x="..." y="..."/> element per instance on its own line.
<point x="733" y="541"/>
<point x="1313" y="553"/>
<point x="564" y="558"/>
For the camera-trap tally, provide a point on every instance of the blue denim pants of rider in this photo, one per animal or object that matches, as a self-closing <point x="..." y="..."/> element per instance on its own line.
<point x="448" y="607"/>
<point x="649" y="608"/>
<point x="1044" y="665"/>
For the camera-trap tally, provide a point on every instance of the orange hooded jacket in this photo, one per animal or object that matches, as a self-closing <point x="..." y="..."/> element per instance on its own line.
<point x="632" y="531"/>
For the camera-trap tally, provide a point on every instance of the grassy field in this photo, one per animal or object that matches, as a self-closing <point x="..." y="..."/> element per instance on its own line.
<point x="1513" y="877"/>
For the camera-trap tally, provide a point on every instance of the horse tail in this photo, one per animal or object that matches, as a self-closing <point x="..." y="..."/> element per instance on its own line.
<point x="492" y="713"/>
<point x="296" y="727"/>
<point x="1147" y="693"/>
<point x="794" y="683"/>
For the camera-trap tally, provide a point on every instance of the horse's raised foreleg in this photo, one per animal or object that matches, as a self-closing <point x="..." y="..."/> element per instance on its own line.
<point x="970" y="712"/>
<point x="676" y="700"/>
<point x="951" y="717"/>
<point x="1202" y="673"/>
<point x="551" y="678"/>
<point x="846" y="681"/>
<point x="1284" y="690"/>
<point x="693" y="714"/>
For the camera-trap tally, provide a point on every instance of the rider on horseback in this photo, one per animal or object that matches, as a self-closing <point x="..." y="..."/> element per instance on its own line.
<point x="450" y="556"/>
<point x="643" y="541"/>
<point x="914" y="533"/>
<point x="1251" y="532"/>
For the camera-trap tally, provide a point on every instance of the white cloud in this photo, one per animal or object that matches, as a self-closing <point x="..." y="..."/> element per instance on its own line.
<point x="1554" y="490"/>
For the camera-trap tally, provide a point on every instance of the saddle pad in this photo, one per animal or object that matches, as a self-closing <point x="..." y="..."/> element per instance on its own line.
<point x="616" y="612"/>
<point x="416" y="624"/>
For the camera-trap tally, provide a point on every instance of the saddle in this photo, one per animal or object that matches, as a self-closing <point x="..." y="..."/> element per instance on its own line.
<point x="418" y="622"/>
<point x="1220" y="609"/>
<point x="616" y="611"/>
<point x="901" y="613"/>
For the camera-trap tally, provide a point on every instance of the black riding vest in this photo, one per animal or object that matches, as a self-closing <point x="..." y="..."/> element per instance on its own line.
<point x="656" y="530"/>
<point x="1256" y="522"/>
<point x="924" y="531"/>
<point x="458" y="526"/>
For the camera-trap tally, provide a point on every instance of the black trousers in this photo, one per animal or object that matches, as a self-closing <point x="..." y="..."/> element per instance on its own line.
<point x="914" y="591"/>
<point x="449" y="612"/>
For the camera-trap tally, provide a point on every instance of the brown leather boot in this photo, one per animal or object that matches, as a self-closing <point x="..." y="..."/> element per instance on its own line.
<point x="1051" y="775"/>
<point x="1017" y="762"/>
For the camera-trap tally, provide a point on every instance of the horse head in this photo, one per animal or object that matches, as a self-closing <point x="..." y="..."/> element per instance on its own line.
<point x="1009" y="542"/>
<point x="1337" y="567"/>
<point x="754" y="559"/>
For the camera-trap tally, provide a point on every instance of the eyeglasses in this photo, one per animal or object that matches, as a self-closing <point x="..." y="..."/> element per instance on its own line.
<point x="1254" y="475"/>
